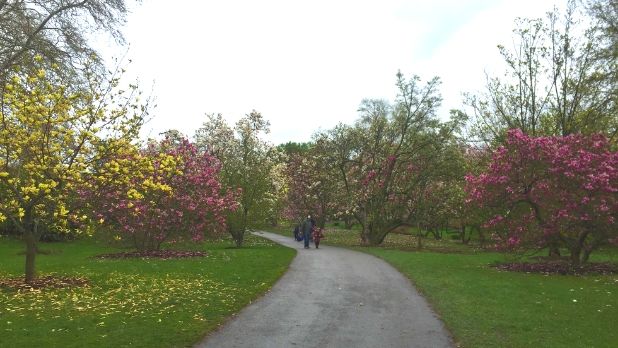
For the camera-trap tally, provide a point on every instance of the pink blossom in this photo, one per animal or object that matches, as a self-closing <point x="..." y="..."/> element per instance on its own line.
<point x="197" y="198"/>
<point x="539" y="188"/>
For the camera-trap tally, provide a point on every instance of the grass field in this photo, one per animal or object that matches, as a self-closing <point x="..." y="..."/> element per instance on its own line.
<point x="133" y="302"/>
<point x="484" y="307"/>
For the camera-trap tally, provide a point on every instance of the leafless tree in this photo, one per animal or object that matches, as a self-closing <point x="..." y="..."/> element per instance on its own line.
<point x="57" y="30"/>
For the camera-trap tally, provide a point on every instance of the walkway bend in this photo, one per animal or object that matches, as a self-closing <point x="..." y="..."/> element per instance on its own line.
<point x="334" y="297"/>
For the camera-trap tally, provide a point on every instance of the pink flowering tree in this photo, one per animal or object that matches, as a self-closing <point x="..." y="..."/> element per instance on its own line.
<point x="166" y="192"/>
<point x="312" y="186"/>
<point x="390" y="157"/>
<point x="548" y="191"/>
<point x="473" y="216"/>
<point x="300" y="198"/>
<point x="249" y="163"/>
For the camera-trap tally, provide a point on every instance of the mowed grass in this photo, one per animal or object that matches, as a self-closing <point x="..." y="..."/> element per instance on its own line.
<point x="483" y="307"/>
<point x="133" y="302"/>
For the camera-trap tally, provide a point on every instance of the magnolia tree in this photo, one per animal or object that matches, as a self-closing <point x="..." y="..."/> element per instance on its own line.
<point x="547" y="190"/>
<point x="248" y="164"/>
<point x="312" y="185"/>
<point x="442" y="198"/>
<point x="560" y="77"/>
<point x="166" y="192"/>
<point x="50" y="136"/>
<point x="276" y="195"/>
<point x="385" y="161"/>
<point x="472" y="217"/>
<point x="298" y="199"/>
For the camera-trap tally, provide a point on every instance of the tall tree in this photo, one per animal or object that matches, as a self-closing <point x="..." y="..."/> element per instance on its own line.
<point x="553" y="85"/>
<point x="312" y="185"/>
<point x="291" y="147"/>
<point x="547" y="190"/>
<point x="248" y="164"/>
<point x="166" y="191"/>
<point x="50" y="136"/>
<point x="605" y="12"/>
<point x="443" y="195"/>
<point x="385" y="160"/>
<point x="56" y="30"/>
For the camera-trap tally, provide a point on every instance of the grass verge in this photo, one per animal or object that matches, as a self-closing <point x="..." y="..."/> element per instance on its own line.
<point x="485" y="307"/>
<point x="133" y="302"/>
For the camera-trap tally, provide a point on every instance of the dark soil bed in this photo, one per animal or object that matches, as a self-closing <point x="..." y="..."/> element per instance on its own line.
<point x="48" y="281"/>
<point x="156" y="254"/>
<point x="559" y="267"/>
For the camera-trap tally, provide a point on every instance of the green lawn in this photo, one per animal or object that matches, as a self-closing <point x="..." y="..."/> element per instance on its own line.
<point x="483" y="307"/>
<point x="486" y="308"/>
<point x="137" y="302"/>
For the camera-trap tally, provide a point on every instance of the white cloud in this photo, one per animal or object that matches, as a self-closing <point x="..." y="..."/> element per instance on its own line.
<point x="307" y="64"/>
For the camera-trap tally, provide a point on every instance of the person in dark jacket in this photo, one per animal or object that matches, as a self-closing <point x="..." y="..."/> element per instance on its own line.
<point x="306" y="229"/>
<point x="297" y="233"/>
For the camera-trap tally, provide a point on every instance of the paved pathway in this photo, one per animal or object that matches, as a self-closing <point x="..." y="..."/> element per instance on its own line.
<point x="333" y="297"/>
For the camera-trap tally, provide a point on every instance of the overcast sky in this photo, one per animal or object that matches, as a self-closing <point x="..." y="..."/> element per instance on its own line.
<point x="307" y="65"/>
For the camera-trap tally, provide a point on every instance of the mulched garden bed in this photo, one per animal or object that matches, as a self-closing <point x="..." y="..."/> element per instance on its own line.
<point x="563" y="268"/>
<point x="155" y="254"/>
<point x="49" y="281"/>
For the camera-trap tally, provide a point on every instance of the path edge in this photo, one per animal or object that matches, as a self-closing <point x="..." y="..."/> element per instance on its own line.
<point x="207" y="335"/>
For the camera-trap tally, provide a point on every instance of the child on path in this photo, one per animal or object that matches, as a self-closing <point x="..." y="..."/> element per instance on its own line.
<point x="297" y="233"/>
<point x="317" y="234"/>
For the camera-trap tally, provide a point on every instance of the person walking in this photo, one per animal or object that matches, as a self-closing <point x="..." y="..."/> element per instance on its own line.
<point x="306" y="228"/>
<point x="318" y="234"/>
<point x="312" y="227"/>
<point x="297" y="233"/>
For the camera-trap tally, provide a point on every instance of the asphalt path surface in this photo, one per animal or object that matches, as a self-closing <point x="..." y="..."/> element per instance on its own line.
<point x="334" y="297"/>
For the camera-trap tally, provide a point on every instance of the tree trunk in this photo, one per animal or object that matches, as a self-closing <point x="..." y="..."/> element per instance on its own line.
<point x="349" y="222"/>
<point x="236" y="225"/>
<point x="372" y="236"/>
<point x="364" y="236"/>
<point x="30" y="256"/>
<point x="321" y="222"/>
<point x="378" y="237"/>
<point x="575" y="256"/>
<point x="586" y="255"/>
<point x="238" y="239"/>
<point x="554" y="251"/>
<point x="465" y="240"/>
<point x="239" y="235"/>
<point x="481" y="236"/>
<point x="419" y="237"/>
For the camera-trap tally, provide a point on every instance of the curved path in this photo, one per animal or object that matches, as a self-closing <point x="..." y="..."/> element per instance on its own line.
<point x="333" y="297"/>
